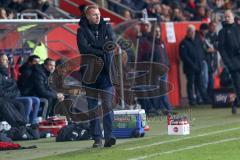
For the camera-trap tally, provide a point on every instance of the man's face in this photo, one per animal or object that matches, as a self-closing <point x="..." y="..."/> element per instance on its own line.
<point x="191" y="33"/>
<point x="93" y="16"/>
<point x="50" y="66"/>
<point x="4" y="61"/>
<point x="213" y="27"/>
<point x="229" y="17"/>
<point x="146" y="27"/>
<point x="158" y="32"/>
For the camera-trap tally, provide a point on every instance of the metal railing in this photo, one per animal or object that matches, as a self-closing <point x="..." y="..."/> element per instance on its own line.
<point x="48" y="17"/>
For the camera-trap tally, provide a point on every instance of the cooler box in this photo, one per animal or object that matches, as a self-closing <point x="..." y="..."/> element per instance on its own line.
<point x="129" y="123"/>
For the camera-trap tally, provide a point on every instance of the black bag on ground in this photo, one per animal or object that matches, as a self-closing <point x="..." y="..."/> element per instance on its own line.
<point x="33" y="131"/>
<point x="23" y="133"/>
<point x="73" y="132"/>
<point x="9" y="113"/>
<point x="18" y="133"/>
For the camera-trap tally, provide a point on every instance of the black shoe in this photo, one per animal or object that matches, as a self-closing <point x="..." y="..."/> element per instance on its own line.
<point x="234" y="110"/>
<point x="110" y="142"/>
<point x="97" y="143"/>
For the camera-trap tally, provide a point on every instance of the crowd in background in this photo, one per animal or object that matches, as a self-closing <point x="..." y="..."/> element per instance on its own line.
<point x="10" y="8"/>
<point x="175" y="10"/>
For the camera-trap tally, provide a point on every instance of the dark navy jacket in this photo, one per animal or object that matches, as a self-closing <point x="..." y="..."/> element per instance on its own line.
<point x="192" y="55"/>
<point x="8" y="86"/>
<point x="229" y="46"/>
<point x="91" y="40"/>
<point x="39" y="83"/>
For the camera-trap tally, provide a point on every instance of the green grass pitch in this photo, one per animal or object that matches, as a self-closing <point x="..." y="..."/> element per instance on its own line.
<point x="214" y="135"/>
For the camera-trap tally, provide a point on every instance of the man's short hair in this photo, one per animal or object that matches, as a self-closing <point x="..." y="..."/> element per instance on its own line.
<point x="229" y="11"/>
<point x="32" y="57"/>
<point x="89" y="7"/>
<point x="191" y="27"/>
<point x="46" y="61"/>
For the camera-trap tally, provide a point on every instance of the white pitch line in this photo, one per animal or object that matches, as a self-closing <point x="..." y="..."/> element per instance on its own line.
<point x="185" y="148"/>
<point x="180" y="139"/>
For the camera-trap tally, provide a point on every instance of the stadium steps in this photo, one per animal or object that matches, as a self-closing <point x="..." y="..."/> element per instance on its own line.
<point x="72" y="7"/>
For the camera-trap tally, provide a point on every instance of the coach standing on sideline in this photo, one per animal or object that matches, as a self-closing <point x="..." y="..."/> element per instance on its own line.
<point x="93" y="33"/>
<point x="229" y="47"/>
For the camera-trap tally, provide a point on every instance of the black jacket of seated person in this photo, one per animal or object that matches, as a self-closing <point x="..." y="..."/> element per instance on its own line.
<point x="8" y="86"/>
<point x="8" y="93"/>
<point x="39" y="84"/>
<point x="23" y="81"/>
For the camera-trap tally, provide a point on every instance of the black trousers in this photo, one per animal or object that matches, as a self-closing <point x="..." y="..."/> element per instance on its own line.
<point x="51" y="105"/>
<point x="194" y="85"/>
<point x="236" y="84"/>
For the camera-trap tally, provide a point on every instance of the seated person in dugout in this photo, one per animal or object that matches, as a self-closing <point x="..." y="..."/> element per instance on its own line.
<point x="39" y="85"/>
<point x="27" y="106"/>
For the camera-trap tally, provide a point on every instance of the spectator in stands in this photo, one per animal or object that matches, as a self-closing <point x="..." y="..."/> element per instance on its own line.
<point x="16" y="5"/>
<point x="229" y="47"/>
<point x="25" y="73"/>
<point x="42" y="5"/>
<point x="191" y="7"/>
<point x="140" y="4"/>
<point x="11" y="14"/>
<point x="3" y="13"/>
<point x="154" y="11"/>
<point x="203" y="3"/>
<point x="166" y="13"/>
<point x="40" y="84"/>
<point x="92" y="35"/>
<point x="218" y="5"/>
<point x="192" y="57"/>
<point x="115" y="7"/>
<point x="128" y="3"/>
<point x="27" y="4"/>
<point x="127" y="14"/>
<point x="177" y="15"/>
<point x="10" y="92"/>
<point x="5" y="3"/>
<point x="200" y="14"/>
